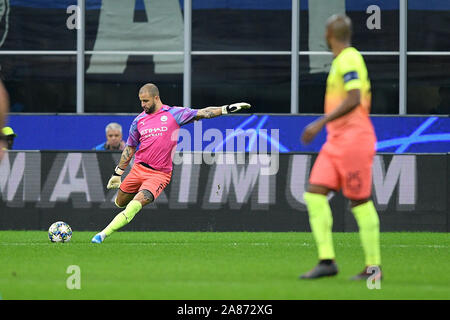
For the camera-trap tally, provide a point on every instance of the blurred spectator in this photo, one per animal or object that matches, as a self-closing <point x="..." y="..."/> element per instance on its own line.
<point x="444" y="106"/>
<point x="114" y="140"/>
<point x="10" y="135"/>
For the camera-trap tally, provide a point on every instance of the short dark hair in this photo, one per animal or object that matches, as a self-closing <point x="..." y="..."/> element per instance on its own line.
<point x="150" y="88"/>
<point x="341" y="27"/>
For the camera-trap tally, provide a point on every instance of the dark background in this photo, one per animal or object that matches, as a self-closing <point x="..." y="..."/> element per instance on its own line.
<point x="431" y="212"/>
<point x="47" y="83"/>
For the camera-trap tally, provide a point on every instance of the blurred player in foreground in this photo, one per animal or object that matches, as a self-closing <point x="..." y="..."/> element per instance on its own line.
<point x="345" y="160"/>
<point x="155" y="131"/>
<point x="4" y="109"/>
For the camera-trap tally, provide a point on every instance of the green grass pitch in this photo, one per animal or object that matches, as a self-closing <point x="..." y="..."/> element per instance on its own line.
<point x="217" y="266"/>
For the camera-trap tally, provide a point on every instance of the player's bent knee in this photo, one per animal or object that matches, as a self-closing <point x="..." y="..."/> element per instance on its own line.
<point x="312" y="197"/>
<point x="119" y="205"/>
<point x="318" y="189"/>
<point x="123" y="199"/>
<point x="355" y="203"/>
<point x="145" y="197"/>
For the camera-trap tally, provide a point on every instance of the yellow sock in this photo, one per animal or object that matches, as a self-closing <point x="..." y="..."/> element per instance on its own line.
<point x="369" y="231"/>
<point x="124" y="217"/>
<point x="321" y="222"/>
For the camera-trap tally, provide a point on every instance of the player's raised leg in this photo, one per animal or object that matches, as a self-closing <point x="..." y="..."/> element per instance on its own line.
<point x="122" y="200"/>
<point x="141" y="199"/>
<point x="138" y="201"/>
<point x="148" y="185"/>
<point x="321" y="222"/>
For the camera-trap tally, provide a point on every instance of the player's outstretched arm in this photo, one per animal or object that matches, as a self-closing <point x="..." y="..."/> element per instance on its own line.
<point x="115" y="180"/>
<point x="212" y="112"/>
<point x="350" y="103"/>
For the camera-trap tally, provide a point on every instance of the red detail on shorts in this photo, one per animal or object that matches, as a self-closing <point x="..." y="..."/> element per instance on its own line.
<point x="141" y="178"/>
<point x="346" y="166"/>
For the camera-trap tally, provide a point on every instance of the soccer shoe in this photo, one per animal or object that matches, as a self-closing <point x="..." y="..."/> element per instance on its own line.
<point x="98" y="238"/>
<point x="321" y="270"/>
<point x="370" y="271"/>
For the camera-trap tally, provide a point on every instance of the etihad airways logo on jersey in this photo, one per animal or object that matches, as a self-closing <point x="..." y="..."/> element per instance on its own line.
<point x="153" y="132"/>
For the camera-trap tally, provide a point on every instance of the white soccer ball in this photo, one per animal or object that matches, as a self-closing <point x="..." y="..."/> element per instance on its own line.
<point x="60" y="232"/>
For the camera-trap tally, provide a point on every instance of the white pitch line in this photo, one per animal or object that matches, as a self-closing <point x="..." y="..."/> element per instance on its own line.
<point x="224" y="244"/>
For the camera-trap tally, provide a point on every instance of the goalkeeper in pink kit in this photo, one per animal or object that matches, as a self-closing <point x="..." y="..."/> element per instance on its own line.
<point x="155" y="132"/>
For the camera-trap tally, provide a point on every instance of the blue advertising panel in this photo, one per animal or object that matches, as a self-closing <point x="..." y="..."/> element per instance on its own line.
<point x="396" y="134"/>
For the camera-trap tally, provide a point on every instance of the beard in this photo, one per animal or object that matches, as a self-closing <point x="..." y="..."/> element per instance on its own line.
<point x="150" y="109"/>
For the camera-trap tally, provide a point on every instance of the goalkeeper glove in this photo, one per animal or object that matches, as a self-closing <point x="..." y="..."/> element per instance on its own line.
<point x="115" y="181"/>
<point x="229" y="108"/>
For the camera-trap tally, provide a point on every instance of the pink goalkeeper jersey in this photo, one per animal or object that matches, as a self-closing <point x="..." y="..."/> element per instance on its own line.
<point x="157" y="134"/>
